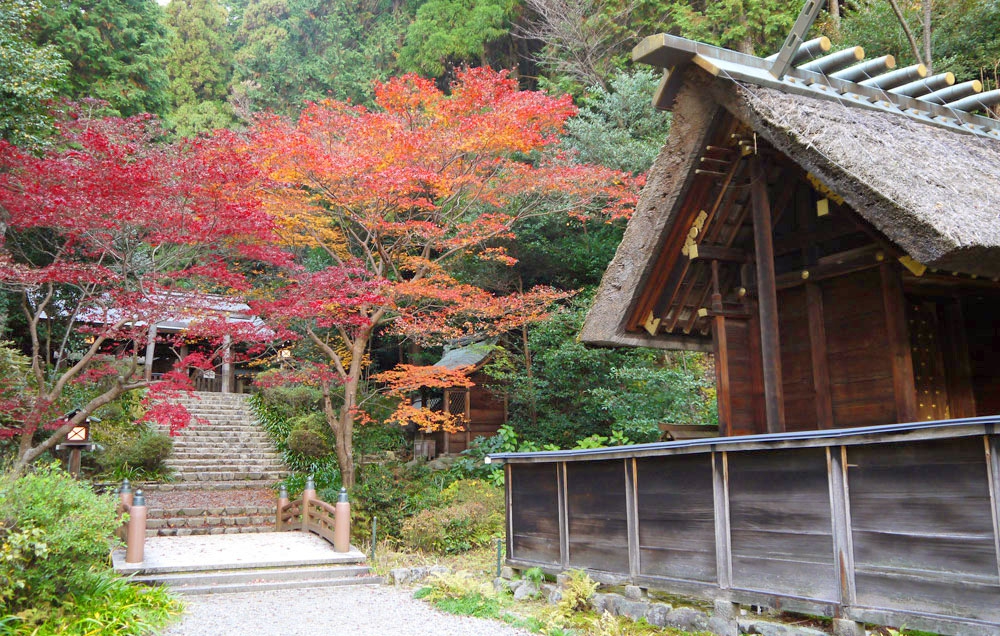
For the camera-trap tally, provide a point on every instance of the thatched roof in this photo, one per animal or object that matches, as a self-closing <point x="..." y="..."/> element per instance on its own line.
<point x="934" y="192"/>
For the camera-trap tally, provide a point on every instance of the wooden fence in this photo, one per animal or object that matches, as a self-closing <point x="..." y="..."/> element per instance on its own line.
<point x="895" y="525"/>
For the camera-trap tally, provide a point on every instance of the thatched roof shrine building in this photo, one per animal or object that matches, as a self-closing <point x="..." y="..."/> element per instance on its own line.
<point x="838" y="252"/>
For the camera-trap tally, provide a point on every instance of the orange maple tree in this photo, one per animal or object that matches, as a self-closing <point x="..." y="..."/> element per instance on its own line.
<point x="391" y="195"/>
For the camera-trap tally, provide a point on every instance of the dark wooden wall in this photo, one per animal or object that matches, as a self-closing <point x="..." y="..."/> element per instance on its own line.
<point x="897" y="529"/>
<point x="982" y="325"/>
<point x="844" y="321"/>
<point x="486" y="414"/>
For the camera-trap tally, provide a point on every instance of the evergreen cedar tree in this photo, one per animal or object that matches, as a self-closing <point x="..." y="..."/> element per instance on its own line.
<point x="391" y="195"/>
<point x="109" y="232"/>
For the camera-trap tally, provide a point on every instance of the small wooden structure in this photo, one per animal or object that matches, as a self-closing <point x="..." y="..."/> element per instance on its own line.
<point x="831" y="234"/>
<point x="483" y="411"/>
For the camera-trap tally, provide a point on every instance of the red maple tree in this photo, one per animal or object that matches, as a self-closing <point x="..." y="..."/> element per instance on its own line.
<point x="106" y="233"/>
<point x="390" y="196"/>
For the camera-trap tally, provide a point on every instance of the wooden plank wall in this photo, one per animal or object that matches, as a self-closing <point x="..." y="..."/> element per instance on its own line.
<point x="676" y="517"/>
<point x="780" y="522"/>
<point x="534" y="510"/>
<point x="982" y="326"/>
<point x="857" y="363"/>
<point x="796" y="361"/>
<point x="915" y="526"/>
<point x="598" y="521"/>
<point x="923" y="532"/>
<point x="745" y="384"/>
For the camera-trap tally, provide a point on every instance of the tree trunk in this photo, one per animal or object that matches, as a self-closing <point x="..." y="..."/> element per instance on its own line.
<point x="341" y="423"/>
<point x="835" y="13"/>
<point x="926" y="5"/>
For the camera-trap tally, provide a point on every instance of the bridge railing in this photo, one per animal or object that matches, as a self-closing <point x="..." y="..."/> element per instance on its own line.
<point x="133" y="530"/>
<point x="309" y="513"/>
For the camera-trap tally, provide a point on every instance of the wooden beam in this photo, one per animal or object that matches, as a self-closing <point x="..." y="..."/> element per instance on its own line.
<point x="723" y="397"/>
<point x="563" y="501"/>
<point x="767" y="293"/>
<point x="725" y="192"/>
<point x="894" y="303"/>
<point x="992" y="443"/>
<point x="632" y="517"/>
<point x="817" y="351"/>
<point x="720" y="253"/>
<point x="823" y="272"/>
<point x="840" y="513"/>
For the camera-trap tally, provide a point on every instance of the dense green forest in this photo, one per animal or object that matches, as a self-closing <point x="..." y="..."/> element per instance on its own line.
<point x="204" y="64"/>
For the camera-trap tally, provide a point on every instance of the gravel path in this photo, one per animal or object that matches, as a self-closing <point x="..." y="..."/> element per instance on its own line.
<point x="338" y="611"/>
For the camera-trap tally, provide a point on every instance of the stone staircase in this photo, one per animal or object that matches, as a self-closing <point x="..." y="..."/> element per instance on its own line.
<point x="224" y="468"/>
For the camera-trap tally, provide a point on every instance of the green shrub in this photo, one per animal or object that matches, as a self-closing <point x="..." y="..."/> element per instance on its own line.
<point x="470" y="516"/>
<point x="139" y="454"/>
<point x="51" y="509"/>
<point x="309" y="436"/>
<point x="380" y="492"/>
<point x="104" y="603"/>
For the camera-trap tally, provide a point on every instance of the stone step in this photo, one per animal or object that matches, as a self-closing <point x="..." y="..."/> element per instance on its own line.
<point x="217" y="476"/>
<point x="207" y="530"/>
<point x="206" y="441"/>
<point x="202" y="462"/>
<point x="231" y="425"/>
<point x="212" y="511"/>
<point x="261" y="579"/>
<point x="208" y="485"/>
<point x="225" y="453"/>
<point x="249" y="431"/>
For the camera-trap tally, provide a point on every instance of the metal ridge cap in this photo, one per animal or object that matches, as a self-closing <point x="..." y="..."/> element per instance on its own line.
<point x="836" y="433"/>
<point x="673" y="52"/>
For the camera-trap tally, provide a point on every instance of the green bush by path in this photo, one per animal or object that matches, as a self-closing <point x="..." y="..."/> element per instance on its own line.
<point x="76" y="527"/>
<point x="55" y="577"/>
<point x="470" y="515"/>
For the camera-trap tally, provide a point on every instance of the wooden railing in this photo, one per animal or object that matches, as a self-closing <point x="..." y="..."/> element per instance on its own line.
<point x="895" y="525"/>
<point x="309" y="513"/>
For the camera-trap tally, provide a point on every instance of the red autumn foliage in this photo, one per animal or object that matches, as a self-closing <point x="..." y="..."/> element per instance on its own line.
<point x="400" y="190"/>
<point x="111" y="230"/>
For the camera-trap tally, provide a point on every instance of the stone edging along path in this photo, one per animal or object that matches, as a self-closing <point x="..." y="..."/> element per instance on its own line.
<point x="723" y="620"/>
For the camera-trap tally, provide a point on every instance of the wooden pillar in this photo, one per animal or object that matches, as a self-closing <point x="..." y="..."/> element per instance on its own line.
<point x="843" y="543"/>
<point x="563" y="500"/>
<point x="445" y="435"/>
<point x="632" y="517"/>
<point x="150" y="353"/>
<point x="817" y="351"/>
<point x="993" y="471"/>
<point x="720" y="344"/>
<point x="767" y="293"/>
<point x="898" y="337"/>
<point x="723" y="535"/>
<point x="227" y="363"/>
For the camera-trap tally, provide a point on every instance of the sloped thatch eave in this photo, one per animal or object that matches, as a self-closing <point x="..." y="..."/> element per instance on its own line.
<point x="667" y="183"/>
<point x="933" y="192"/>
